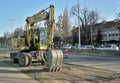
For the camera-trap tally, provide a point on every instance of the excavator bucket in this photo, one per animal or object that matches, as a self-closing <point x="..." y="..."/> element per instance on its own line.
<point x="54" y="60"/>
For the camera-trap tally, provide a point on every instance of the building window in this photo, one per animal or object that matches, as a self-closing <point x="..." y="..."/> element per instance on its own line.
<point x="116" y="34"/>
<point x="112" y="34"/>
<point x="109" y="34"/>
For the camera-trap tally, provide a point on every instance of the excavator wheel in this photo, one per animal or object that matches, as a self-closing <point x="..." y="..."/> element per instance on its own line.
<point x="23" y="60"/>
<point x="29" y="59"/>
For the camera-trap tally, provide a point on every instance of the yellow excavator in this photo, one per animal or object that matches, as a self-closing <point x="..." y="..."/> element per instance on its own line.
<point x="37" y="43"/>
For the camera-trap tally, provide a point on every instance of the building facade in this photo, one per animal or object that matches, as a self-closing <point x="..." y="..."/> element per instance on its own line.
<point x="110" y="32"/>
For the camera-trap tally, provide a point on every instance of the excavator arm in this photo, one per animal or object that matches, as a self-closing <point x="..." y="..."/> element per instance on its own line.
<point x="40" y="16"/>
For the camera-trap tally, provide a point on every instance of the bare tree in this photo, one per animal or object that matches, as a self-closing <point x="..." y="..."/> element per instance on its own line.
<point x="93" y="17"/>
<point x="88" y="19"/>
<point x="66" y="25"/>
<point x="59" y="26"/>
<point x="74" y="11"/>
<point x="18" y="32"/>
<point x="59" y="31"/>
<point x="63" y="26"/>
<point x="118" y="16"/>
<point x="6" y="38"/>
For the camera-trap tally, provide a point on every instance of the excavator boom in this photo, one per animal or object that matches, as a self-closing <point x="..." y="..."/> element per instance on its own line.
<point x="42" y="15"/>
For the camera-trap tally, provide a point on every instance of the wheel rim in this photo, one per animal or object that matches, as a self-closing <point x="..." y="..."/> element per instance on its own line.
<point x="23" y="60"/>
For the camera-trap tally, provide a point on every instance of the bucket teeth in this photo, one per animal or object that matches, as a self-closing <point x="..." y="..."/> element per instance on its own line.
<point x="54" y="60"/>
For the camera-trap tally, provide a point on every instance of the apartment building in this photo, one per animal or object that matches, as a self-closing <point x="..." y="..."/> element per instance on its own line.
<point x="110" y="31"/>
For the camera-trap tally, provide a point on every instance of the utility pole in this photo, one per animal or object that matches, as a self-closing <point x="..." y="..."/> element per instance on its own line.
<point x="79" y="32"/>
<point x="11" y="24"/>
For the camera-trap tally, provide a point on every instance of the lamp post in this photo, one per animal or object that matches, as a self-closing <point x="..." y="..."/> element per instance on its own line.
<point x="79" y="32"/>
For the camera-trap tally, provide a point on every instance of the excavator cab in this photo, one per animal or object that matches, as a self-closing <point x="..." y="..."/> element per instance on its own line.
<point x="36" y="33"/>
<point x="34" y="39"/>
<point x="43" y="36"/>
<point x="39" y="38"/>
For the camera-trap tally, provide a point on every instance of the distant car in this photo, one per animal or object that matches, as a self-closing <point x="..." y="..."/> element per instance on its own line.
<point x="65" y="47"/>
<point x="74" y="47"/>
<point x="108" y="47"/>
<point x="87" y="47"/>
<point x="84" y="47"/>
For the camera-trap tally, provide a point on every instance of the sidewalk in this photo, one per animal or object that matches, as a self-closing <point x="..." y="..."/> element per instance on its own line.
<point x="10" y="74"/>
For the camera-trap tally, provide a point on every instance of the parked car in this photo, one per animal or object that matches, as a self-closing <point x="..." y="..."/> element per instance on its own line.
<point x="84" y="47"/>
<point x="74" y="47"/>
<point x="65" y="47"/>
<point x="87" y="47"/>
<point x="108" y="47"/>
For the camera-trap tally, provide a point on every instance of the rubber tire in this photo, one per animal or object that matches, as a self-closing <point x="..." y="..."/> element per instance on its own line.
<point x="23" y="59"/>
<point x="29" y="59"/>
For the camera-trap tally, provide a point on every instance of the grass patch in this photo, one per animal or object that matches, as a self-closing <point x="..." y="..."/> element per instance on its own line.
<point x="96" y="52"/>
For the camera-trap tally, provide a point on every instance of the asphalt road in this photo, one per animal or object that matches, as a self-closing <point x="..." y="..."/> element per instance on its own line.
<point x="102" y="62"/>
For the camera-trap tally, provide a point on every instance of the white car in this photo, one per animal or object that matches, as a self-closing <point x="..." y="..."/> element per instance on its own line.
<point x="74" y="47"/>
<point x="84" y="47"/>
<point x="65" y="47"/>
<point x="108" y="47"/>
<point x="87" y="47"/>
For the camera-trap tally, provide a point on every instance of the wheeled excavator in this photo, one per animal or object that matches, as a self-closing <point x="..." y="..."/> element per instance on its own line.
<point x="37" y="43"/>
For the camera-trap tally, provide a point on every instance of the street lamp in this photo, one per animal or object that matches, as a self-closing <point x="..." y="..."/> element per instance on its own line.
<point x="79" y="32"/>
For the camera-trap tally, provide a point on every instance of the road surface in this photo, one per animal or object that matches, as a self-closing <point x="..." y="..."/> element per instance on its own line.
<point x="10" y="74"/>
<point x="68" y="74"/>
<point x="103" y="62"/>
